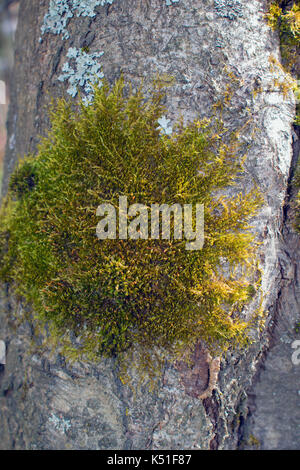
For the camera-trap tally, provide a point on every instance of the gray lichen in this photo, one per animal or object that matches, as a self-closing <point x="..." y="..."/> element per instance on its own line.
<point x="83" y="72"/>
<point x="231" y="9"/>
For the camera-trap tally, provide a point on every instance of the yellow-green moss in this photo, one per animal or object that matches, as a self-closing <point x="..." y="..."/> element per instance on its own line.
<point x="101" y="297"/>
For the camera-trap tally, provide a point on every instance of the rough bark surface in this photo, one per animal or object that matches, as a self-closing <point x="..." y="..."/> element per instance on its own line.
<point x="46" y="403"/>
<point x="274" y="412"/>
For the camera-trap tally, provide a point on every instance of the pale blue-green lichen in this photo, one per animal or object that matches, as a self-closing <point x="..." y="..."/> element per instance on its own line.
<point x="87" y="7"/>
<point x="83" y="72"/>
<point x="84" y="69"/>
<point x="164" y="126"/>
<point x="57" y="18"/>
<point x="60" y="423"/>
<point x="231" y="9"/>
<point x="61" y="11"/>
<point x="169" y="2"/>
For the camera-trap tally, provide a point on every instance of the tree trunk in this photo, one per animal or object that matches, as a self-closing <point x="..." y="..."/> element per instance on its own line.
<point x="46" y="403"/>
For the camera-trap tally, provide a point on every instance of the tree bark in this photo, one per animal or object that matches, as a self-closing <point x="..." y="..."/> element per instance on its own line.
<point x="46" y="403"/>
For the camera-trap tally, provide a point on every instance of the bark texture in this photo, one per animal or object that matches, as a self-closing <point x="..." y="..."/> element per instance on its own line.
<point x="46" y="403"/>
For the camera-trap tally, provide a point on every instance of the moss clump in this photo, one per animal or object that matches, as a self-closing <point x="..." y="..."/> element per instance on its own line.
<point x="112" y="294"/>
<point x="287" y="22"/>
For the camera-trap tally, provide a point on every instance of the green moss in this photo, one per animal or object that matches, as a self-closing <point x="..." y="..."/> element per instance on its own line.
<point x="101" y="297"/>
